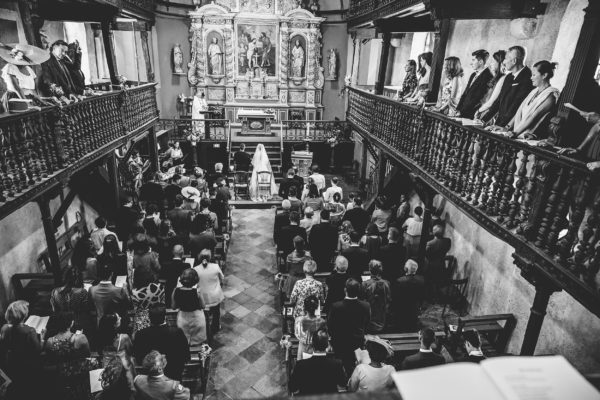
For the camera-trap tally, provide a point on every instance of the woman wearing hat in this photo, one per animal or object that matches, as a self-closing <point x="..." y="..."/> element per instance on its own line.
<point x="17" y="73"/>
<point x="373" y="374"/>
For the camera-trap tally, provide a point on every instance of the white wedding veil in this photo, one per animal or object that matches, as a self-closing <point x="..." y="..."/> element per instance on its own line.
<point x="260" y="163"/>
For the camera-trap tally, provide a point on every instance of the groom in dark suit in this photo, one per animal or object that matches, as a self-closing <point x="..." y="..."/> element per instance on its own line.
<point x="55" y="71"/>
<point x="477" y="87"/>
<point x="516" y="87"/>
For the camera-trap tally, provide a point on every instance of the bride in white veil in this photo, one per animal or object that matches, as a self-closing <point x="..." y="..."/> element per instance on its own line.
<point x="260" y="162"/>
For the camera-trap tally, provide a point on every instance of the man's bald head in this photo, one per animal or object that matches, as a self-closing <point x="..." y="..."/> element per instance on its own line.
<point x="178" y="251"/>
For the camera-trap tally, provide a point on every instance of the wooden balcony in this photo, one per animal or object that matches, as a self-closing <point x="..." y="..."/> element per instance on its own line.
<point x="41" y="149"/>
<point x="544" y="205"/>
<point x="364" y="11"/>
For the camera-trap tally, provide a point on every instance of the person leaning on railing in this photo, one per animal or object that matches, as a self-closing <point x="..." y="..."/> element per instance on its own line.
<point x="590" y="147"/>
<point x="452" y="88"/>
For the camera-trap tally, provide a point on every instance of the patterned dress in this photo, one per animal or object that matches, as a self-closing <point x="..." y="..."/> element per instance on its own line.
<point x="304" y="288"/>
<point x="142" y="299"/>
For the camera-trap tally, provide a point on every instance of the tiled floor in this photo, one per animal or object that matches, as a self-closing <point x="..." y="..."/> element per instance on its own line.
<point x="247" y="361"/>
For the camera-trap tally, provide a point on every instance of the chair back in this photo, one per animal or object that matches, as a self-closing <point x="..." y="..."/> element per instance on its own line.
<point x="264" y="177"/>
<point x="460" y="286"/>
<point x="240" y="178"/>
<point x="450" y="265"/>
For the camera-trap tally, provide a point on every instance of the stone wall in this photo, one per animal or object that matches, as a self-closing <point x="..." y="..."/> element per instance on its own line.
<point x="496" y="287"/>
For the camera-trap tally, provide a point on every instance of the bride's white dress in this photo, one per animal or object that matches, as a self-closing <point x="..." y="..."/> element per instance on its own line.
<point x="260" y="162"/>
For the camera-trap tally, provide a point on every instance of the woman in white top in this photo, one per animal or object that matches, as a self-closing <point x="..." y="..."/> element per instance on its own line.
<point x="374" y="375"/>
<point x="536" y="106"/>
<point x="412" y="237"/>
<point x="452" y="89"/>
<point x="497" y="69"/>
<point x="423" y="75"/>
<point x="210" y="279"/>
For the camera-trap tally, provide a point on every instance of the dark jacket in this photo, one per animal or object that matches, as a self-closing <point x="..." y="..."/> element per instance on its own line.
<point x="317" y="375"/>
<point x="473" y="95"/>
<point x="171" y="191"/>
<point x="168" y="340"/>
<point x="55" y="71"/>
<point x="473" y="359"/>
<point x="422" y="360"/>
<point x="407" y="296"/>
<point x="126" y="218"/>
<point x="287" y="235"/>
<point x="181" y="220"/>
<point x="242" y="161"/>
<point x="171" y="272"/>
<point x="347" y="322"/>
<point x="201" y="241"/>
<point x="159" y="388"/>
<point x="286" y="184"/>
<point x="152" y="192"/>
<point x="358" y="261"/>
<point x="359" y="218"/>
<point x="221" y="203"/>
<point x="392" y="257"/>
<point x="511" y="96"/>
<point x="336" y="283"/>
<point x="435" y="252"/>
<point x="281" y="219"/>
<point x="323" y="242"/>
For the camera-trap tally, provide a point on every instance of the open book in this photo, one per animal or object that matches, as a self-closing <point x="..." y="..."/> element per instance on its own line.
<point x="38" y="323"/>
<point x="501" y="378"/>
<point x="95" y="380"/>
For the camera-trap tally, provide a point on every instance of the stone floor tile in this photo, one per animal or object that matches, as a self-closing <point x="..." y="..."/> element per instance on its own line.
<point x="265" y="310"/>
<point x="240" y="312"/>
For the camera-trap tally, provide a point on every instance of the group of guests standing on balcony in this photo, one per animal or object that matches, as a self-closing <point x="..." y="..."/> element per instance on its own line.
<point x="502" y="92"/>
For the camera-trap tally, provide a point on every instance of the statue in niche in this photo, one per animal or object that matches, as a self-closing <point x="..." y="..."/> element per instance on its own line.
<point x="178" y="60"/>
<point x="266" y="49"/>
<point x="215" y="57"/>
<point x="332" y="64"/>
<point x="297" y="60"/>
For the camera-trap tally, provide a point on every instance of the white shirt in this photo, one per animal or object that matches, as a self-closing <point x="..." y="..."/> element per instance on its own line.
<point x="319" y="180"/>
<point x="328" y="194"/>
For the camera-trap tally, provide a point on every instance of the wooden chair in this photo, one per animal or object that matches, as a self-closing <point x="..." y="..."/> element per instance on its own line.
<point x="241" y="184"/>
<point x="454" y="295"/>
<point x="495" y="331"/>
<point x="264" y="183"/>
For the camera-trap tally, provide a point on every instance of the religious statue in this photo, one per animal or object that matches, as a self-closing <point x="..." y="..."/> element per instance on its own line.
<point x="215" y="57"/>
<point x="250" y="54"/>
<point x="332" y="65"/>
<point x="178" y="60"/>
<point x="297" y="60"/>
<point x="266" y="48"/>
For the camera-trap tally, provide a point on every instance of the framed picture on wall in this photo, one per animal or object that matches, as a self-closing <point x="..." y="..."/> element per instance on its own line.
<point x="256" y="49"/>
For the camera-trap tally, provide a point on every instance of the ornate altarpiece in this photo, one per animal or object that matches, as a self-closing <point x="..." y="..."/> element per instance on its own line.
<point x="243" y="57"/>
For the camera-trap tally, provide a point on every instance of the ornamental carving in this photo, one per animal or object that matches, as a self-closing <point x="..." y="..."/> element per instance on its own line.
<point x="310" y="97"/>
<point x="214" y="21"/>
<point x="257" y="6"/>
<point x="297" y="97"/>
<point x="285" y="6"/>
<point x="283" y="94"/>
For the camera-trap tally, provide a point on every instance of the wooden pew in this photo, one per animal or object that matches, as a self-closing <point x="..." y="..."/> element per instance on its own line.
<point x="495" y="331"/>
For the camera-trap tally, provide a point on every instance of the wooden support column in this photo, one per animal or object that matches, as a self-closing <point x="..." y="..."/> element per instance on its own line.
<point x="113" y="175"/>
<point x="381" y="174"/>
<point x="383" y="62"/>
<point x="426" y="196"/>
<point x="363" y="163"/>
<point x="109" y="48"/>
<point x="580" y="88"/>
<point x="147" y="58"/>
<point x="544" y="288"/>
<point x="60" y="213"/>
<point x="439" y="54"/>
<point x="152" y="150"/>
<point x="49" y="231"/>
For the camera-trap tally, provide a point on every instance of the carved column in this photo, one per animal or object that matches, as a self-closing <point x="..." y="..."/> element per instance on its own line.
<point x="439" y="53"/>
<point x="196" y="70"/>
<point x="543" y="290"/>
<point x="153" y="150"/>
<point x="146" y="53"/>
<point x="580" y="82"/>
<point x="355" y="58"/>
<point x="382" y="168"/>
<point x="113" y="175"/>
<point x="284" y="48"/>
<point x="229" y="50"/>
<point x="383" y="62"/>
<point x="363" y="163"/>
<point x="49" y="232"/>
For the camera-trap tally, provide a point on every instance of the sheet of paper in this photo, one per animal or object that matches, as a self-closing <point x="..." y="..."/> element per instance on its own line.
<point x="306" y="356"/>
<point x="538" y="378"/>
<point x="365" y="277"/>
<point x="95" y="384"/>
<point x="362" y="356"/>
<point x="190" y="261"/>
<point x="38" y="323"/>
<point x="121" y="281"/>
<point x="464" y="381"/>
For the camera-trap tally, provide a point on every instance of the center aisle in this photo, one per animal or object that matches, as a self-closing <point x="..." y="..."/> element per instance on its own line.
<point x="247" y="361"/>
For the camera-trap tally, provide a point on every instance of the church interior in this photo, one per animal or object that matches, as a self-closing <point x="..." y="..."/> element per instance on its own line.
<point x="242" y="199"/>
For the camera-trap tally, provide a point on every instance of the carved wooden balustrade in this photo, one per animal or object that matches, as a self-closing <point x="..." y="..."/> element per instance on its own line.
<point x="40" y="148"/>
<point x="543" y="204"/>
<point x="294" y="130"/>
<point x="213" y="130"/>
<point x="361" y="11"/>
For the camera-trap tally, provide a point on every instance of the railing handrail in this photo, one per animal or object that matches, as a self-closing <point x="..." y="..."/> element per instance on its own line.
<point x="559" y="158"/>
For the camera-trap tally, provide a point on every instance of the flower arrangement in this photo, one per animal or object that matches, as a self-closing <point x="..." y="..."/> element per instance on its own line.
<point x="347" y="84"/>
<point x="205" y="351"/>
<point x="285" y="344"/>
<point x="334" y="135"/>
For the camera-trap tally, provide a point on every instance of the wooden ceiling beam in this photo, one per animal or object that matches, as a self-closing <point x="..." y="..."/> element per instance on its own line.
<point x="420" y="24"/>
<point x="485" y="9"/>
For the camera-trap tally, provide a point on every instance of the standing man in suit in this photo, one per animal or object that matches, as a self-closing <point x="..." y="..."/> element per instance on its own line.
<point x="348" y="320"/>
<point x="336" y="282"/>
<point x="241" y="159"/>
<point x="318" y="374"/>
<point x="358" y="258"/>
<point x="172" y="271"/>
<point x="288" y="182"/>
<point x="393" y="256"/>
<point x="168" y="340"/>
<point x="156" y="385"/>
<point x="108" y="298"/>
<point x="477" y="87"/>
<point x="180" y="219"/>
<point x="516" y="87"/>
<point x="358" y="216"/>
<point x="435" y="254"/>
<point x="288" y="233"/>
<point x="55" y="73"/>
<point x="281" y="219"/>
<point x="323" y="241"/>
<point x="407" y="296"/>
<point x="425" y="357"/>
